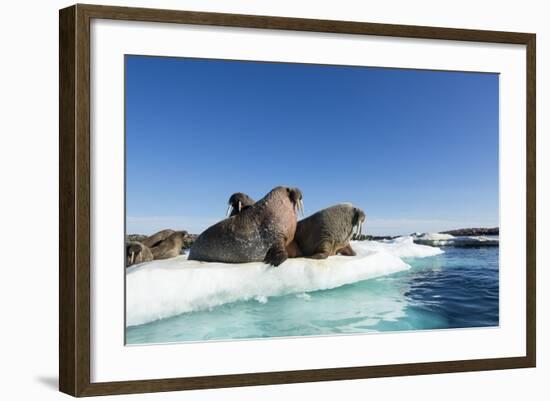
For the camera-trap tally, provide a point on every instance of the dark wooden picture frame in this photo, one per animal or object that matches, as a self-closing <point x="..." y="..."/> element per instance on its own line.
<point x="74" y="200"/>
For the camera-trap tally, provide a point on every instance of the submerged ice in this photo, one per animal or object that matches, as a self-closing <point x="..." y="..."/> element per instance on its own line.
<point x="165" y="288"/>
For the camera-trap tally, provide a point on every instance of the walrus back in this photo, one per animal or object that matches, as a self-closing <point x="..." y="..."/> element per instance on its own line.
<point x="258" y="233"/>
<point x="333" y="224"/>
<point x="229" y="241"/>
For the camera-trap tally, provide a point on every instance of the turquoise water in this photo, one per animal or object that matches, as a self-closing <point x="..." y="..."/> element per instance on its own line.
<point x="456" y="289"/>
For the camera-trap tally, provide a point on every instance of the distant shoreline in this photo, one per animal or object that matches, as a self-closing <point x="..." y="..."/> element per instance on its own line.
<point x="461" y="232"/>
<point x="473" y="231"/>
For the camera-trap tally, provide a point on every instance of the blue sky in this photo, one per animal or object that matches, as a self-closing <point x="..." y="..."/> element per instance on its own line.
<point x="417" y="150"/>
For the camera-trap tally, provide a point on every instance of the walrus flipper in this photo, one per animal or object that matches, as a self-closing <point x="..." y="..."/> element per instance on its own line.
<point x="347" y="251"/>
<point x="276" y="255"/>
<point x="293" y="250"/>
<point x="323" y="251"/>
<point x="320" y="255"/>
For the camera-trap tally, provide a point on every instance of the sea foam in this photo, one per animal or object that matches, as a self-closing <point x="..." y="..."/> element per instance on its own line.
<point x="166" y="288"/>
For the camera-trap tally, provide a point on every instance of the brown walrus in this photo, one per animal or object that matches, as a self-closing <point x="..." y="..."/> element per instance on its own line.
<point x="170" y="247"/>
<point x="237" y="202"/>
<point x="162" y="245"/>
<point x="258" y="233"/>
<point x="157" y="238"/>
<point x="136" y="253"/>
<point x="327" y="232"/>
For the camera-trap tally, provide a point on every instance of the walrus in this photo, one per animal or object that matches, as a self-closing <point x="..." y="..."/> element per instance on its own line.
<point x="237" y="202"/>
<point x="169" y="247"/>
<point x="136" y="253"/>
<point x="327" y="232"/>
<point x="258" y="233"/>
<point x="157" y="238"/>
<point x="162" y="245"/>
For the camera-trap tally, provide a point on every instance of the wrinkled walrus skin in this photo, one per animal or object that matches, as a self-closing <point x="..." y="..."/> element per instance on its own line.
<point x="327" y="232"/>
<point x="258" y="233"/>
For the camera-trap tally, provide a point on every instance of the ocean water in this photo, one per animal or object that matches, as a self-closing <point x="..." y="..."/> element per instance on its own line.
<point x="458" y="288"/>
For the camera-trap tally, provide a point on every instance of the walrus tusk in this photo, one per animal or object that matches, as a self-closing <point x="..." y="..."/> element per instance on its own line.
<point x="360" y="228"/>
<point x="240" y="205"/>
<point x="132" y="258"/>
<point x="301" y="206"/>
<point x="229" y="210"/>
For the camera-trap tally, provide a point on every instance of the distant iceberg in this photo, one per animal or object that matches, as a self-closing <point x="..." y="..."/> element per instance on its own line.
<point x="166" y="288"/>
<point x="436" y="239"/>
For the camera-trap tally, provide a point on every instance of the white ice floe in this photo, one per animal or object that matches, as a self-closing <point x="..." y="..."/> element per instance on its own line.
<point x="165" y="288"/>
<point x="436" y="239"/>
<point x="435" y="236"/>
<point x="402" y="247"/>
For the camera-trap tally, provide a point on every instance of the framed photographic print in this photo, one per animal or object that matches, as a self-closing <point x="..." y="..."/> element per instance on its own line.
<point x="250" y="200"/>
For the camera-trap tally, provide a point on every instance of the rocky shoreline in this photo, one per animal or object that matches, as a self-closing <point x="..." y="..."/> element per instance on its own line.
<point x="472" y="232"/>
<point x="463" y="237"/>
<point x="364" y="237"/>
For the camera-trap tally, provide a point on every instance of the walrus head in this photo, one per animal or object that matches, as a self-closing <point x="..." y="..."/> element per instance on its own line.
<point x="133" y="250"/>
<point x="181" y="234"/>
<point x="237" y="202"/>
<point x="295" y="196"/>
<point x="358" y="220"/>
